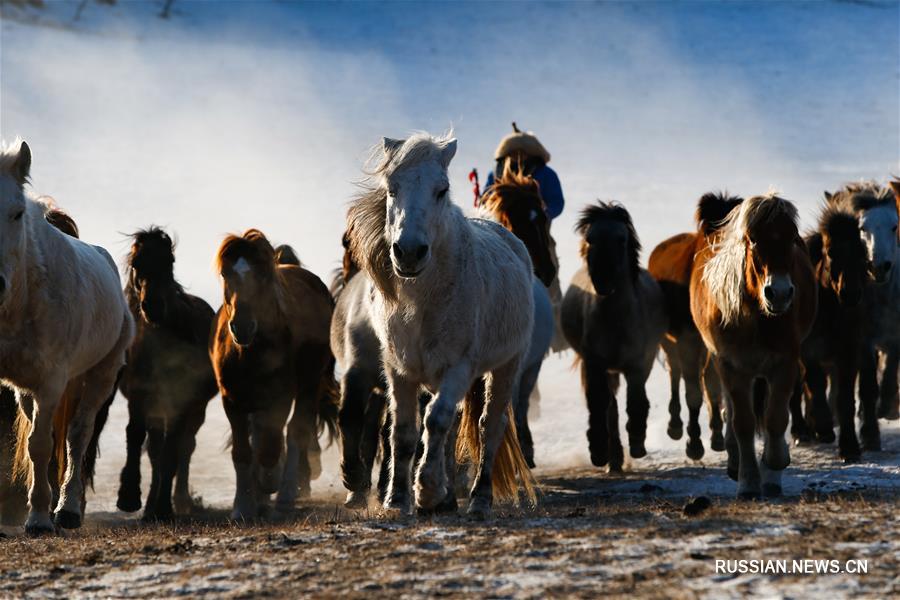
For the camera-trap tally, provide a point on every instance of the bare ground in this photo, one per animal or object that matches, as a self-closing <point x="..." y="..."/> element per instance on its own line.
<point x="591" y="534"/>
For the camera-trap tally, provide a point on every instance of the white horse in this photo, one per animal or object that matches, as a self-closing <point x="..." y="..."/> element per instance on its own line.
<point x="452" y="301"/>
<point x="64" y="329"/>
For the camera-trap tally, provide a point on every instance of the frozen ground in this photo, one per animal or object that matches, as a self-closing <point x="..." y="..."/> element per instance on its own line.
<point x="239" y="114"/>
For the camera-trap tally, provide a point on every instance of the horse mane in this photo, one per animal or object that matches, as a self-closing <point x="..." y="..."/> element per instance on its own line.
<point x="723" y="274"/>
<point x="860" y="196"/>
<point x="509" y="192"/>
<point x="9" y="160"/>
<point x="616" y="213"/>
<point x="349" y="268"/>
<point x="712" y="208"/>
<point x="367" y="216"/>
<point x="141" y="236"/>
<point x="286" y="255"/>
<point x="253" y="246"/>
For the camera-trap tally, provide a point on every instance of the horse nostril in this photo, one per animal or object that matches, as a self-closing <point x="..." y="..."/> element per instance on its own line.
<point x="232" y="328"/>
<point x="887" y="266"/>
<point x="2" y="284"/>
<point x="421" y="251"/>
<point x="397" y="250"/>
<point x="769" y="292"/>
<point x="790" y="293"/>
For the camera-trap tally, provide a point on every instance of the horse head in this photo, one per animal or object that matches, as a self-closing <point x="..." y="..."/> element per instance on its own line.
<point x="151" y="274"/>
<point x="515" y="202"/>
<point x="609" y="246"/>
<point x="843" y="264"/>
<point x="414" y="177"/>
<point x="877" y="214"/>
<point x="248" y="269"/>
<point x="768" y="225"/>
<point x="15" y="167"/>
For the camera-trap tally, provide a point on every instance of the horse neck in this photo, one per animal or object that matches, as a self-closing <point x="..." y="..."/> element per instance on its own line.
<point x="29" y="271"/>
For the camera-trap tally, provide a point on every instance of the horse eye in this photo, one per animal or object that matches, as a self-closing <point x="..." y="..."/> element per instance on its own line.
<point x="18" y="216"/>
<point x="533" y="215"/>
<point x="443" y="193"/>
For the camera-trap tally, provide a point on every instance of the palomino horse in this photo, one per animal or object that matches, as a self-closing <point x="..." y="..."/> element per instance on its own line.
<point x="452" y="300"/>
<point x="515" y="202"/>
<point x="14" y="492"/>
<point x="613" y="315"/>
<point x="878" y="217"/>
<point x="753" y="298"/>
<point x="832" y="349"/>
<point x="168" y="380"/>
<point x="270" y="353"/>
<point x="670" y="264"/>
<point x="66" y="328"/>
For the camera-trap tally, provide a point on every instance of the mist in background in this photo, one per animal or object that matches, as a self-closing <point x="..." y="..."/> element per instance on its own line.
<point x="233" y="115"/>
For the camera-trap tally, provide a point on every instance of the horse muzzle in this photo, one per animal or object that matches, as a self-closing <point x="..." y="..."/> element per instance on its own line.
<point x="881" y="272"/>
<point x="242" y="334"/>
<point x="409" y="260"/>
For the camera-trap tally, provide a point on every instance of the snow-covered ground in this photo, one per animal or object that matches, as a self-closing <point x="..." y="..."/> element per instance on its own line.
<point x="232" y="115"/>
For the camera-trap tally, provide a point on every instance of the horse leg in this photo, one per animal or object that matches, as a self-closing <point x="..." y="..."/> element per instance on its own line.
<point x="129" y="499"/>
<point x="742" y="422"/>
<point x="637" y="407"/>
<point x="297" y="476"/>
<point x="492" y="426"/>
<point x="356" y="389"/>
<point x="245" y="504"/>
<point x="167" y="466"/>
<point x="431" y="474"/>
<point x="268" y="441"/>
<point x="527" y="383"/>
<point x="384" y="442"/>
<point x="98" y="384"/>
<point x="403" y="398"/>
<point x="776" y="455"/>
<point x="691" y="358"/>
<point x="819" y="412"/>
<point x="889" y="406"/>
<point x="156" y="439"/>
<point x="676" y="427"/>
<point x="40" y="446"/>
<point x="799" y="428"/>
<point x="713" y="388"/>
<point x="13" y="493"/>
<point x="182" y="500"/>
<point x="869" y="432"/>
<point x="595" y="380"/>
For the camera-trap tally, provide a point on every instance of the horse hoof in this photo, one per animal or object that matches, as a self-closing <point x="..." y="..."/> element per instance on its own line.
<point x="614" y="469"/>
<point x="771" y="490"/>
<point x="479" y="509"/>
<point x="446" y="506"/>
<point x="850" y="457"/>
<point x="637" y="451"/>
<point x="675" y="431"/>
<point x="694" y="449"/>
<point x="357" y="500"/>
<point x="67" y="519"/>
<point x="128" y="503"/>
<point x="748" y="495"/>
<point x="599" y="458"/>
<point x="732" y="473"/>
<point x="304" y="493"/>
<point x="801" y="438"/>
<point x="871" y="442"/>
<point x="825" y="437"/>
<point x="889" y="414"/>
<point x="717" y="442"/>
<point x="396" y="502"/>
<point x="39" y="529"/>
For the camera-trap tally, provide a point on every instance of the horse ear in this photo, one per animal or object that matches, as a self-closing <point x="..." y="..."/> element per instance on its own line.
<point x="22" y="167"/>
<point x="390" y="145"/>
<point x="827" y="196"/>
<point x="895" y="186"/>
<point x="448" y="151"/>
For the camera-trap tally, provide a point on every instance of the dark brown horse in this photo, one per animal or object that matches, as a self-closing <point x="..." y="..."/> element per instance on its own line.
<point x="168" y="379"/>
<point x="832" y="350"/>
<point x="270" y="353"/>
<point x="753" y="299"/>
<point x="670" y="264"/>
<point x="614" y="316"/>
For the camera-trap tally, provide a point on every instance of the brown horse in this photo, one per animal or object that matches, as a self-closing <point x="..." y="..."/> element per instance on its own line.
<point x="832" y="350"/>
<point x="670" y="264"/>
<point x="168" y="379"/>
<point x="270" y="353"/>
<point x="753" y="299"/>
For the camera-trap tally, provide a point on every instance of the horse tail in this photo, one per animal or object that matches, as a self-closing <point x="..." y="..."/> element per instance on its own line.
<point x="510" y="468"/>
<point x="22" y="462"/>
<point x="62" y="417"/>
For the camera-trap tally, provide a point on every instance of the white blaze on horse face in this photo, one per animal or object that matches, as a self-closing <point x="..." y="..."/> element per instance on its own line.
<point x="241" y="267"/>
<point x="878" y="230"/>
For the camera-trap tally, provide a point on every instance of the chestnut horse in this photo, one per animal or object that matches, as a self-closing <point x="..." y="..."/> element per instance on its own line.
<point x="670" y="264"/>
<point x="613" y="315"/>
<point x="270" y="354"/>
<point x="831" y="351"/>
<point x="753" y="299"/>
<point x="168" y="379"/>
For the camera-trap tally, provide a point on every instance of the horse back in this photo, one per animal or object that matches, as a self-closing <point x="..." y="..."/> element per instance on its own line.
<point x="671" y="264"/>
<point x="309" y="305"/>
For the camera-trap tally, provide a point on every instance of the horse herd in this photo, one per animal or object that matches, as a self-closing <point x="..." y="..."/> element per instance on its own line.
<point x="438" y="319"/>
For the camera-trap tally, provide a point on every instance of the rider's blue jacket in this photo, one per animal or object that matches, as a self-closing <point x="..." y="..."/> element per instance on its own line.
<point x="551" y="190"/>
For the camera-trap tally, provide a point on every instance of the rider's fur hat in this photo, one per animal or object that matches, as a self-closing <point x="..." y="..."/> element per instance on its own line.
<point x="524" y="142"/>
